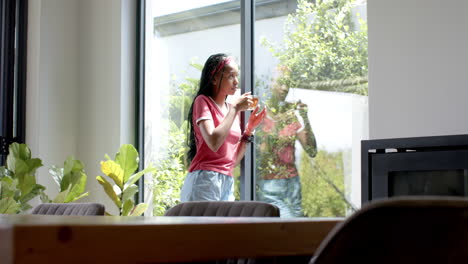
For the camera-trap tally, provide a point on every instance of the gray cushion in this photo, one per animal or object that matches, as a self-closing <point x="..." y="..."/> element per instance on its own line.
<point x="222" y="208"/>
<point x="69" y="209"/>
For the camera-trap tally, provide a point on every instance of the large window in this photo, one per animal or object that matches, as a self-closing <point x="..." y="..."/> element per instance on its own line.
<point x="309" y="69"/>
<point x="180" y="36"/>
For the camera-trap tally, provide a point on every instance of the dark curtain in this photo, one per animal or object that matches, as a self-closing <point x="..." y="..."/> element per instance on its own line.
<point x="13" y="33"/>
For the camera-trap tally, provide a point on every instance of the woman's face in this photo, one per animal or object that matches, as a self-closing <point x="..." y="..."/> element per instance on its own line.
<point x="280" y="92"/>
<point x="230" y="79"/>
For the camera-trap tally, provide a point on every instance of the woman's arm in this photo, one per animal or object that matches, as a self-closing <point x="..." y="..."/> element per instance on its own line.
<point x="306" y="136"/>
<point x="215" y="136"/>
<point x="254" y="120"/>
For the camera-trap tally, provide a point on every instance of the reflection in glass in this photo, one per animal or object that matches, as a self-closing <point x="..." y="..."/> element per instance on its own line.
<point x="431" y="182"/>
<point x="278" y="179"/>
<point x="312" y="75"/>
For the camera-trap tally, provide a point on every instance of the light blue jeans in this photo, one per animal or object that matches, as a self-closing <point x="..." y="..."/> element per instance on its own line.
<point x="284" y="193"/>
<point x="203" y="185"/>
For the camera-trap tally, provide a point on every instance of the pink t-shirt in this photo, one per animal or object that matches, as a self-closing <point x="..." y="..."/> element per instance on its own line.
<point x="222" y="161"/>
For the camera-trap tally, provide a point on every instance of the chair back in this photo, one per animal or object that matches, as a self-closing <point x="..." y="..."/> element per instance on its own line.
<point x="228" y="209"/>
<point x="69" y="209"/>
<point x="224" y="208"/>
<point x="413" y="229"/>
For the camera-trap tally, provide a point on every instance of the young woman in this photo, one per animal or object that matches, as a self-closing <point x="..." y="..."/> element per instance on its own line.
<point x="216" y="142"/>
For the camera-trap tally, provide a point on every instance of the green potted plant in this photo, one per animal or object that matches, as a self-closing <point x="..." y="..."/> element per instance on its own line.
<point x="71" y="180"/>
<point x="18" y="180"/>
<point x="121" y="171"/>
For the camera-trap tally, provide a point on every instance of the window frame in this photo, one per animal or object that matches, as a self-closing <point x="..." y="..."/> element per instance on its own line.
<point x="13" y="65"/>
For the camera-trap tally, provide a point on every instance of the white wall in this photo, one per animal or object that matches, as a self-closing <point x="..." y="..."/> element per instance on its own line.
<point x="52" y="84"/>
<point x="80" y="84"/>
<point x="418" y="62"/>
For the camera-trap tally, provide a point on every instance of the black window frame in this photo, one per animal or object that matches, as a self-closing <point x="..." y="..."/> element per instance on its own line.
<point x="13" y="65"/>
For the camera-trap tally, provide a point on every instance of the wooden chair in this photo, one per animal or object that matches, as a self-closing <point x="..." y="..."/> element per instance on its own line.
<point x="69" y="209"/>
<point x="412" y="229"/>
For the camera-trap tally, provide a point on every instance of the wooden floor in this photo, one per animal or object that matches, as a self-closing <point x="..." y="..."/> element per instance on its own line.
<point x="109" y="239"/>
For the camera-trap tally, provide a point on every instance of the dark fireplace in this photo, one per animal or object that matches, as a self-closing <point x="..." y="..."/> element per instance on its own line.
<point x="435" y="165"/>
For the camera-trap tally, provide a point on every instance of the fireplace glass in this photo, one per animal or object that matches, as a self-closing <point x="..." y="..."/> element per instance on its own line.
<point x="436" y="182"/>
<point x="435" y="165"/>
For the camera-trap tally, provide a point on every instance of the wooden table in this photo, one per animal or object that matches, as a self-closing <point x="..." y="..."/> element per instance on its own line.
<point x="108" y="239"/>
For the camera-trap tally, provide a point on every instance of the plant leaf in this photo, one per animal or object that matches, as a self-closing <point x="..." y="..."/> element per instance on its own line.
<point x="4" y="172"/>
<point x="137" y="176"/>
<point x="113" y="171"/>
<point x="60" y="198"/>
<point x="7" y="187"/>
<point x="80" y="196"/>
<point x="33" y="165"/>
<point x="26" y="184"/>
<point x="19" y="151"/>
<point x="129" y="192"/>
<point x="57" y="175"/>
<point x="139" y="209"/>
<point x="9" y="206"/>
<point x="127" y="207"/>
<point x="76" y="188"/>
<point x="110" y="191"/>
<point x="17" y="166"/>
<point x="36" y="190"/>
<point x="25" y="207"/>
<point x="66" y="177"/>
<point x="127" y="158"/>
<point x="44" y="198"/>
<point x="71" y="179"/>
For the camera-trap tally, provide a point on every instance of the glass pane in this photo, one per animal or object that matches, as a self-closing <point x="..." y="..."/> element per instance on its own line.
<point x="180" y="36"/>
<point x="431" y="182"/>
<point x="311" y="73"/>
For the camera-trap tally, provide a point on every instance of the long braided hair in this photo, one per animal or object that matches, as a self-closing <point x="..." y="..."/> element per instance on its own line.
<point x="211" y="68"/>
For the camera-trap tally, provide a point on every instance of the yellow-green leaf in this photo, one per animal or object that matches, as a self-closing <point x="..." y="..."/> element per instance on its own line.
<point x="127" y="207"/>
<point x="129" y="192"/>
<point x="110" y="191"/>
<point x="60" y="197"/>
<point x="80" y="196"/>
<point x="9" y="206"/>
<point x="76" y="188"/>
<point x="139" y="209"/>
<point x="114" y="171"/>
<point x="127" y="158"/>
<point x="137" y="176"/>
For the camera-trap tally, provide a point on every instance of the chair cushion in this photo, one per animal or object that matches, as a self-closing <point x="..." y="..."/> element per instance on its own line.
<point x="69" y="209"/>
<point x="224" y="208"/>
